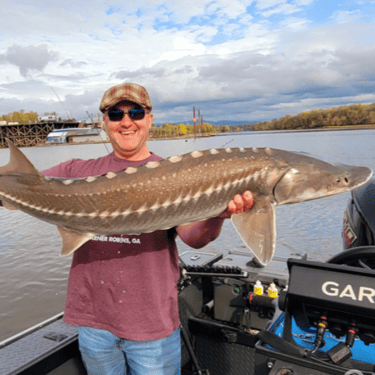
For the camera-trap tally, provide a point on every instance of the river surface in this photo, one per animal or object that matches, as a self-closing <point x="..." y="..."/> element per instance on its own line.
<point x="33" y="278"/>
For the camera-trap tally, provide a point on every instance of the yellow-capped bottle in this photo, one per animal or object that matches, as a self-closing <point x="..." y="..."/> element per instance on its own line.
<point x="258" y="288"/>
<point x="272" y="291"/>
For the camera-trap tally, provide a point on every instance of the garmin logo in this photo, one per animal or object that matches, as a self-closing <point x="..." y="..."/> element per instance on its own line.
<point x="333" y="289"/>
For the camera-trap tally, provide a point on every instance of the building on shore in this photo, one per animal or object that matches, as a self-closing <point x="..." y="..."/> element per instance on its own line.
<point x="77" y="135"/>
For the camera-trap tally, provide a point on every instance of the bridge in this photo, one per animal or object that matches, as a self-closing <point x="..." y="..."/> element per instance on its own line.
<point x="32" y="134"/>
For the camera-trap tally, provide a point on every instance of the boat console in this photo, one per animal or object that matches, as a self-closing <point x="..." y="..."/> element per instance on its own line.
<point x="342" y="297"/>
<point x="292" y="317"/>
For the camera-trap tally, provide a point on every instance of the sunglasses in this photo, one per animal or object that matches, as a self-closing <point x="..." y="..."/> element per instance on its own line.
<point x="134" y="114"/>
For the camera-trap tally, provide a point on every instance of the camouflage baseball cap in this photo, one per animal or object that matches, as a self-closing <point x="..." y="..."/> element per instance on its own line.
<point x="126" y="92"/>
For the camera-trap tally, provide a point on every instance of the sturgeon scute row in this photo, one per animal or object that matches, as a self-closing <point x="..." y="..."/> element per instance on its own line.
<point x="178" y="190"/>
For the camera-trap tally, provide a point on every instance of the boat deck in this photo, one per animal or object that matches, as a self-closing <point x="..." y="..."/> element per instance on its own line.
<point x="25" y="356"/>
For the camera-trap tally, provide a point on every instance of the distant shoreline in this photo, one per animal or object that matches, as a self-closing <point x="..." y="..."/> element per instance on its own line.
<point x="191" y="136"/>
<point x="326" y="128"/>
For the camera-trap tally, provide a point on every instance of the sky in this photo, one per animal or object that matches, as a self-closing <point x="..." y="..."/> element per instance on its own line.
<point x="238" y="60"/>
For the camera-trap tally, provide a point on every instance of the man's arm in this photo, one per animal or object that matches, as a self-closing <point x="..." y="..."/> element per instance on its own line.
<point x="201" y="233"/>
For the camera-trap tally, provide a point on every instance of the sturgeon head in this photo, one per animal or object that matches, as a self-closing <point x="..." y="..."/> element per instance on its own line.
<point x="295" y="178"/>
<point x="308" y="178"/>
<point x="176" y="191"/>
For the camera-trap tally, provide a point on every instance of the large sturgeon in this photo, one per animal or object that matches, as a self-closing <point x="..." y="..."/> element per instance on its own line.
<point x="176" y="191"/>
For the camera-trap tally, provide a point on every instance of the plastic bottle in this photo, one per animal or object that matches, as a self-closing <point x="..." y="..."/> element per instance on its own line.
<point x="258" y="288"/>
<point x="272" y="291"/>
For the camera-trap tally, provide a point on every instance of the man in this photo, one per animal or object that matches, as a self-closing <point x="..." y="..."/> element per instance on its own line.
<point x="122" y="290"/>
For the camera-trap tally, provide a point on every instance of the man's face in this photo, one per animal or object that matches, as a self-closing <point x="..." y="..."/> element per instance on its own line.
<point x="128" y="137"/>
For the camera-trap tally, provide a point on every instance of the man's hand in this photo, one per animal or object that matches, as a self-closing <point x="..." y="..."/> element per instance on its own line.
<point x="240" y="203"/>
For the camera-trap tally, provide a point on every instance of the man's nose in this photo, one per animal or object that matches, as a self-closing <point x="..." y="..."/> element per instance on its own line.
<point x="126" y="120"/>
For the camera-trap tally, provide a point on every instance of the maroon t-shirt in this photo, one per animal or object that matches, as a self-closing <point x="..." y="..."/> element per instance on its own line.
<point x="124" y="284"/>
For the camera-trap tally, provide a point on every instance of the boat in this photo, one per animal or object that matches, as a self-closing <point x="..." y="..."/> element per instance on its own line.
<point x="228" y="306"/>
<point x="294" y="316"/>
<point x="77" y="135"/>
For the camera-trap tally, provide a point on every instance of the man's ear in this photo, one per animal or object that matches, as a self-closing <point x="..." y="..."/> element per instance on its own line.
<point x="150" y="116"/>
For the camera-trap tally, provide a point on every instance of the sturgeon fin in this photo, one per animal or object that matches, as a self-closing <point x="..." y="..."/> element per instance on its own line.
<point x="71" y="241"/>
<point x="18" y="162"/>
<point x="257" y="229"/>
<point x="8" y="206"/>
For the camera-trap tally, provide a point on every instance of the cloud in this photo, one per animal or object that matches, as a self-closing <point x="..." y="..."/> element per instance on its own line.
<point x="73" y="64"/>
<point x="344" y="16"/>
<point x="266" y="4"/>
<point x="257" y="58"/>
<point x="281" y="9"/>
<point x="29" y="57"/>
<point x="295" y="23"/>
<point x="140" y="73"/>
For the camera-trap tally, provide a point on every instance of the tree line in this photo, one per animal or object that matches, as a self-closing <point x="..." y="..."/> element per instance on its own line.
<point x="22" y="117"/>
<point x="180" y="130"/>
<point x="356" y="114"/>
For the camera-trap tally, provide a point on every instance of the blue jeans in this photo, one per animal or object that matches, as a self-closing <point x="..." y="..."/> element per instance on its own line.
<point x="103" y="353"/>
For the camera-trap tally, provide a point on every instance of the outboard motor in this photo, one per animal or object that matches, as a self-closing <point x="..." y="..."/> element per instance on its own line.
<point x="359" y="217"/>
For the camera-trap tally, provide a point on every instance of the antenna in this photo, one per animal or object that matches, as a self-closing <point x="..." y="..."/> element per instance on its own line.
<point x="69" y="117"/>
<point x="92" y="119"/>
<point x="194" y="121"/>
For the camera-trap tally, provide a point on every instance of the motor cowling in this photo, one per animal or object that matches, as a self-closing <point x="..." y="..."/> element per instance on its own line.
<point x="359" y="217"/>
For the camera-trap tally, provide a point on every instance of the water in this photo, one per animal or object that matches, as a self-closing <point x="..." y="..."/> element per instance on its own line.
<point x="33" y="278"/>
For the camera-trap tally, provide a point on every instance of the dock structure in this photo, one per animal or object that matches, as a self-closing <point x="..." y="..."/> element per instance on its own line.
<point x="31" y="134"/>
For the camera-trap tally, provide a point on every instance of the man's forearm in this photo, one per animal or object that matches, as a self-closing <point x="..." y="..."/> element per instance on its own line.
<point x="201" y="233"/>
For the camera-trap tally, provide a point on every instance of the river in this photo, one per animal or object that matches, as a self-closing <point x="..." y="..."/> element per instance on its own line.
<point x="33" y="278"/>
